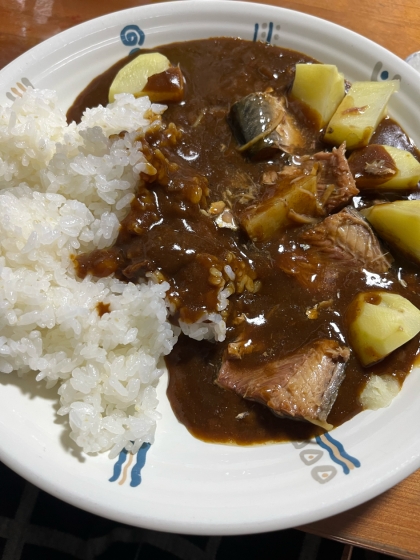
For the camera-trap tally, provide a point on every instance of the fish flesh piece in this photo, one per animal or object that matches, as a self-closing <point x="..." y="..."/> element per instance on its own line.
<point x="335" y="182"/>
<point x="301" y="193"/>
<point x="341" y="243"/>
<point x="347" y="238"/>
<point x="301" y="386"/>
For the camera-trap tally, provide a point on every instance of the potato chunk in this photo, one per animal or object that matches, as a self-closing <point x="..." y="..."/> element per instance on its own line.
<point x="132" y="78"/>
<point x="379" y="323"/>
<point x="408" y="169"/>
<point x="320" y="87"/>
<point x="287" y="204"/>
<point x="398" y="223"/>
<point x="359" y="113"/>
<point x="384" y="167"/>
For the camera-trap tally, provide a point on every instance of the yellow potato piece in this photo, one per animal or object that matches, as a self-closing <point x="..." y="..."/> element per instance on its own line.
<point x="359" y="113"/>
<point x="320" y="87"/>
<point x="262" y="220"/>
<point x="132" y="78"/>
<point x="408" y="169"/>
<point x="397" y="223"/>
<point x="379" y="323"/>
<point x="384" y="167"/>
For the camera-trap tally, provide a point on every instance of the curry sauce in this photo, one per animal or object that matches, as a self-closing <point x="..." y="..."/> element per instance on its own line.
<point x="170" y="229"/>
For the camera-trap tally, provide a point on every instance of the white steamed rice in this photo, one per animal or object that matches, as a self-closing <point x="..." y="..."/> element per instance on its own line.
<point x="63" y="190"/>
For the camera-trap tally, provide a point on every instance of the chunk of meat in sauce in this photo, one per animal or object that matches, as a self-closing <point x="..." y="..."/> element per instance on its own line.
<point x="263" y="126"/>
<point x="301" y="193"/>
<point x="328" y="250"/>
<point x="335" y="185"/>
<point x="302" y="385"/>
<point x="335" y="182"/>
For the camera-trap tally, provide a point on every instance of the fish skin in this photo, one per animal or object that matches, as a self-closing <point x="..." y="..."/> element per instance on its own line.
<point x="262" y="125"/>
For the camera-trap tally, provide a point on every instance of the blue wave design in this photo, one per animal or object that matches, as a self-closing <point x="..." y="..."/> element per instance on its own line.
<point x="330" y="452"/>
<point x="118" y="466"/>
<point x="341" y="451"/>
<point x="141" y="461"/>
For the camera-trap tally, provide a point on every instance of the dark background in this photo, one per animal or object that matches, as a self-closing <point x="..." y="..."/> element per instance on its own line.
<point x="35" y="525"/>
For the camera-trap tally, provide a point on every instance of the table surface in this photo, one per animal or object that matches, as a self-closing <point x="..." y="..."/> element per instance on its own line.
<point x="391" y="522"/>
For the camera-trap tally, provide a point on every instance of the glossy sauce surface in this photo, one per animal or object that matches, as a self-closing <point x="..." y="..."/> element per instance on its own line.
<point x="182" y="243"/>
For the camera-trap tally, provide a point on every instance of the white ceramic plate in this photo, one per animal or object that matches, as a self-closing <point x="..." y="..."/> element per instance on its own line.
<point x="186" y="485"/>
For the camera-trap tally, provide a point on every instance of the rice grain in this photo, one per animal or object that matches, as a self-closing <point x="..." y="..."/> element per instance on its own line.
<point x="63" y="190"/>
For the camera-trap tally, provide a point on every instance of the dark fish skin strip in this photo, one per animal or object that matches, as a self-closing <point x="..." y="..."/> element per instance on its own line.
<point x="253" y="115"/>
<point x="262" y="126"/>
<point x="302" y="386"/>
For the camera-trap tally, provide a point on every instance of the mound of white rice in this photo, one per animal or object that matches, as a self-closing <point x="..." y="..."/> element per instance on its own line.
<point x="63" y="190"/>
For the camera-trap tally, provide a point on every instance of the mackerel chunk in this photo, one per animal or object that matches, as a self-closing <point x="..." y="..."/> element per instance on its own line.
<point x="302" y="386"/>
<point x="335" y="183"/>
<point x="341" y="243"/>
<point x="347" y="239"/>
<point x="263" y="125"/>
<point x="301" y="193"/>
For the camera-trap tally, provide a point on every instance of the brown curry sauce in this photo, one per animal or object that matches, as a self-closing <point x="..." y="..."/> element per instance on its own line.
<point x="217" y="73"/>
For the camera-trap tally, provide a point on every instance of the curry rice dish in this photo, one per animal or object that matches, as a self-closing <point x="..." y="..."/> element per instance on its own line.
<point x="226" y="233"/>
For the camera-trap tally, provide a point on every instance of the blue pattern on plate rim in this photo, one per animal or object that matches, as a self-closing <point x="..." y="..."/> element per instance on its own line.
<point x="131" y="36"/>
<point x="324" y="473"/>
<point x="121" y="473"/>
<point x="380" y="74"/>
<point x="266" y="32"/>
<point x="337" y="452"/>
